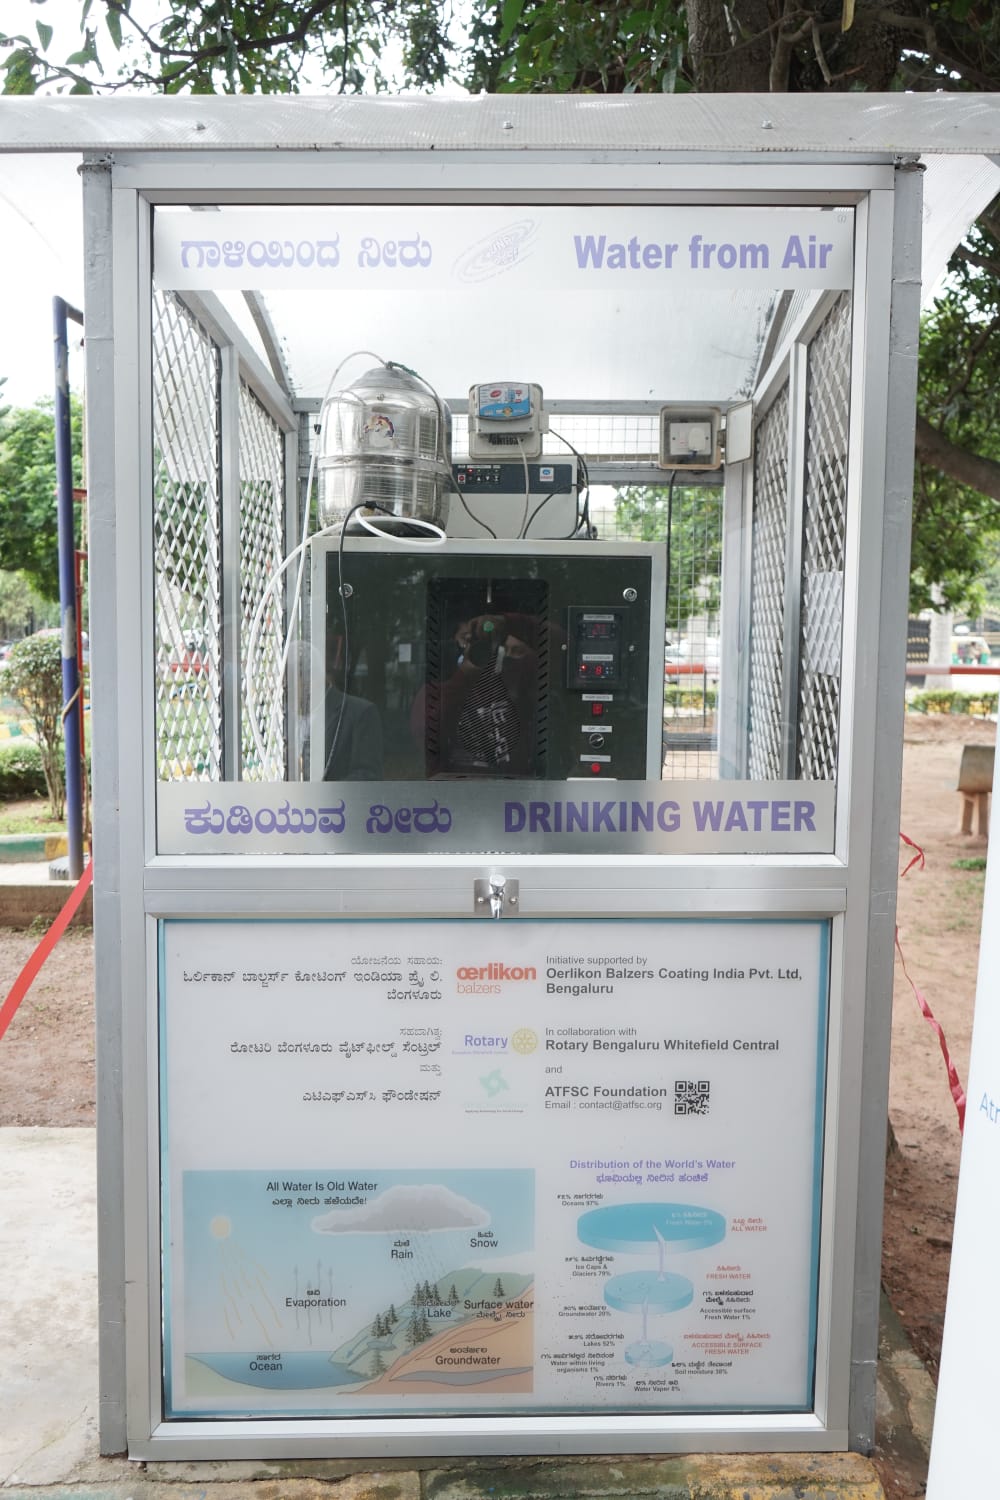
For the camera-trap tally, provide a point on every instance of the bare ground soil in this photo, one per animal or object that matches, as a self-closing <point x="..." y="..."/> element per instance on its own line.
<point x="47" y="1056"/>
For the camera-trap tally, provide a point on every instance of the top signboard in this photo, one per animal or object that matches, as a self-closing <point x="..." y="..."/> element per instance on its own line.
<point x="428" y="248"/>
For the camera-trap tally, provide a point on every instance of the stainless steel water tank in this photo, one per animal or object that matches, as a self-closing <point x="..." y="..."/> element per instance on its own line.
<point x="385" y="439"/>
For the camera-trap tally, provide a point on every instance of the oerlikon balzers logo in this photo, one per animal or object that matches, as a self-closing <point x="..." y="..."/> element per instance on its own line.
<point x="486" y="979"/>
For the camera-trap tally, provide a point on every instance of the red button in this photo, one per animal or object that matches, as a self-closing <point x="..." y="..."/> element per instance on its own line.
<point x="596" y="710"/>
<point x="595" y="769"/>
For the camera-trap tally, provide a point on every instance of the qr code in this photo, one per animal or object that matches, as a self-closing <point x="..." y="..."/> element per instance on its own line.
<point x="691" y="1096"/>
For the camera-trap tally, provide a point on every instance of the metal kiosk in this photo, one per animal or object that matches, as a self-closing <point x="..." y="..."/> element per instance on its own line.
<point x="499" y="541"/>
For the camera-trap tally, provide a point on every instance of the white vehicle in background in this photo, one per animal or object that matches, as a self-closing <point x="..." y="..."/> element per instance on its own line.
<point x="694" y="657"/>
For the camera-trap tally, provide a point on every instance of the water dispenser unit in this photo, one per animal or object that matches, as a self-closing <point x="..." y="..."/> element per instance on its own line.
<point x="385" y="440"/>
<point x="534" y="660"/>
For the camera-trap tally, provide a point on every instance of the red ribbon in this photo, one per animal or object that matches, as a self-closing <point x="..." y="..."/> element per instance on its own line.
<point x="954" y="1082"/>
<point x="22" y="984"/>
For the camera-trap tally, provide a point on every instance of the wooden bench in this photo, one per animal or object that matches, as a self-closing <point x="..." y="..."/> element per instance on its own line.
<point x="975" y="782"/>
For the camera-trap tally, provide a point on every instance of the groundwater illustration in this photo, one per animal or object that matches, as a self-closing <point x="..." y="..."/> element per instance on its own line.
<point x="380" y="1282"/>
<point x="642" y="1228"/>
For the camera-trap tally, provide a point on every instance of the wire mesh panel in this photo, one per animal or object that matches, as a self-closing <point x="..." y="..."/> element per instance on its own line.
<point x="187" y="550"/>
<point x="767" y="596"/>
<point x="691" y="515"/>
<point x="262" y="462"/>
<point x="605" y="437"/>
<point x="824" y="522"/>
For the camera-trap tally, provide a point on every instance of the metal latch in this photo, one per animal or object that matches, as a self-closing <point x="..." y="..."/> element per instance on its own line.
<point x="495" y="897"/>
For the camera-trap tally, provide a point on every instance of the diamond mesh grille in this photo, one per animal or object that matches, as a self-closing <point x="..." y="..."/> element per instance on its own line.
<point x="824" y="523"/>
<point x="261" y="550"/>
<point x="187" y="554"/>
<point x="767" y="599"/>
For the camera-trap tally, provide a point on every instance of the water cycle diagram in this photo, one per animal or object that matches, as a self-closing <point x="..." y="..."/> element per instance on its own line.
<point x="650" y="1229"/>
<point x="355" y="1284"/>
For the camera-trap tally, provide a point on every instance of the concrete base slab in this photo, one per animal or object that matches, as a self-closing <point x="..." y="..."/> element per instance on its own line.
<point x="48" y="1310"/>
<point x="28" y="895"/>
<point x="49" y="1393"/>
<point x="842" y="1476"/>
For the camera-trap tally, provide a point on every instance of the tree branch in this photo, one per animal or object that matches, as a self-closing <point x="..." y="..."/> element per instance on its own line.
<point x="252" y="43"/>
<point x="984" y="262"/>
<point x="982" y="338"/>
<point x="932" y="447"/>
<point x="785" y="43"/>
<point x="919" y="26"/>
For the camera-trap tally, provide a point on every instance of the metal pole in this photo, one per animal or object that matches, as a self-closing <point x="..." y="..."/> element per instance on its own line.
<point x="72" y="706"/>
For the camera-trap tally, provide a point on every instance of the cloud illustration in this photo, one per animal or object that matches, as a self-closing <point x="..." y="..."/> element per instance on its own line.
<point x="427" y="1208"/>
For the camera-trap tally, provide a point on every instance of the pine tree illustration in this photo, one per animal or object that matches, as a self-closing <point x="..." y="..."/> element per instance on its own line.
<point x="378" y="1364"/>
<point x="453" y="1296"/>
<point x="498" y="1290"/>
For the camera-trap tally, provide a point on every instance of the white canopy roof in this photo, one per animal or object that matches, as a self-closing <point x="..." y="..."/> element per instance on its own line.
<point x="714" y="346"/>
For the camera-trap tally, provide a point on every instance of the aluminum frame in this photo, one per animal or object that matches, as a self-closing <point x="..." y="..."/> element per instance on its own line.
<point x="134" y="887"/>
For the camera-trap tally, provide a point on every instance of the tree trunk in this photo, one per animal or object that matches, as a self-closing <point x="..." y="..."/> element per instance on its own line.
<point x="729" y="47"/>
<point x="932" y="447"/>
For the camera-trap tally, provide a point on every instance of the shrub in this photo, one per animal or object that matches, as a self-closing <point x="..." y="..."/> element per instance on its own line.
<point x="32" y="676"/>
<point x="21" y="772"/>
<point x="676" y="695"/>
<point x="940" y="701"/>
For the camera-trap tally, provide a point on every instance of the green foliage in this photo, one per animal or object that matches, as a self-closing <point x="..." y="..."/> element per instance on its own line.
<point x="676" y="696"/>
<point x="942" y="701"/>
<point x="564" y="46"/>
<point x="956" y="528"/>
<point x="28" y="520"/>
<point x="22" y="608"/>
<point x="21" y="771"/>
<point x="695" y="541"/>
<point x="32" y="676"/>
<point x="976" y="863"/>
<point x="225" y="47"/>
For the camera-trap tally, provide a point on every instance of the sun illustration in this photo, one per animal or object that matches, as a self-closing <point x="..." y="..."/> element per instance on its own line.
<point x="221" y="1227"/>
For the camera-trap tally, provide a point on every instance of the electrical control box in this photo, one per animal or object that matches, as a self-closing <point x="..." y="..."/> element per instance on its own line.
<point x="538" y="660"/>
<point x="515" y="499"/>
<point x="690" y="437"/>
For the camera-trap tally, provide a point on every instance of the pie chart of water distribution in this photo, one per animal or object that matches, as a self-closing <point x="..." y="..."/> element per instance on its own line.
<point x="650" y="1228"/>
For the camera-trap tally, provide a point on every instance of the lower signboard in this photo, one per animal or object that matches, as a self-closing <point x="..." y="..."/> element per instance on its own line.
<point x="453" y="1166"/>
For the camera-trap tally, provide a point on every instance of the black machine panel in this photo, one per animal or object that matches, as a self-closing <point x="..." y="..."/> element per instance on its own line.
<point x="487" y="665"/>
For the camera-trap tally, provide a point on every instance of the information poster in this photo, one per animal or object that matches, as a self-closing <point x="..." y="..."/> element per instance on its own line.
<point x="464" y="1166"/>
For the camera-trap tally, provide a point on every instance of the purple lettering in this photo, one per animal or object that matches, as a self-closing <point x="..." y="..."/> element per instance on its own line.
<point x="708" y="815"/>
<point x="514" y="817"/>
<point x="668" y="816"/>
<point x="589" y="251"/>
<point x="604" y="817"/>
<point x="539" y="817"/>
